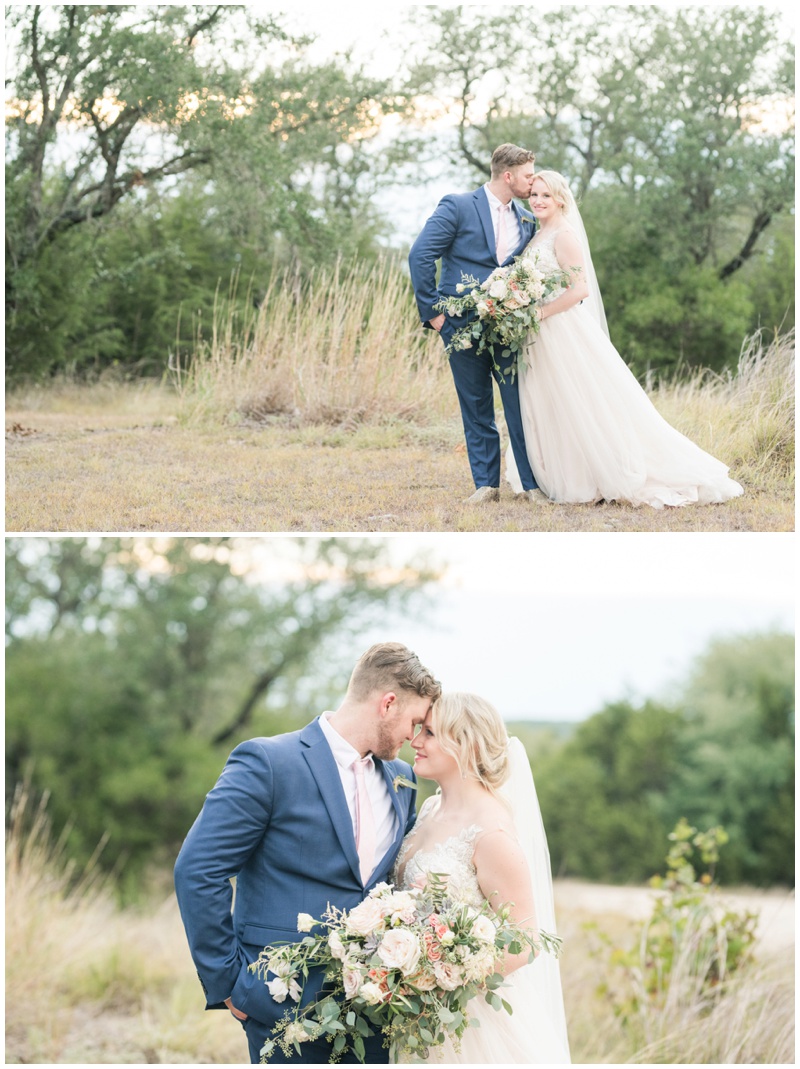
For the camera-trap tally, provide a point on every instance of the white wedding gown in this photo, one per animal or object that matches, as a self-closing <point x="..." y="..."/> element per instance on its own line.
<point x="591" y="432"/>
<point x="527" y="1036"/>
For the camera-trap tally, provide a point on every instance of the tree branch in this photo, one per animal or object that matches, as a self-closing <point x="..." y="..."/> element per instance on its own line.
<point x="200" y="26"/>
<point x="760" y="224"/>
<point x="113" y="193"/>
<point x="260" y="686"/>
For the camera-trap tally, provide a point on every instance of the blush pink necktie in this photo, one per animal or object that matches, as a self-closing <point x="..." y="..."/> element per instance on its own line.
<point x="502" y="233"/>
<point x="365" y="821"/>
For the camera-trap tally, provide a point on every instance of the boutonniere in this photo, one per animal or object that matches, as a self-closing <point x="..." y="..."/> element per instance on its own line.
<point x="401" y="781"/>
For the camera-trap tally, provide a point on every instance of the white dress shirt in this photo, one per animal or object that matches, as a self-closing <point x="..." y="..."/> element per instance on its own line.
<point x="512" y="223"/>
<point x="385" y="817"/>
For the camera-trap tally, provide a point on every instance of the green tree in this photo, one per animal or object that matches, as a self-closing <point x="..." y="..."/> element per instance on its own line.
<point x="135" y="665"/>
<point x="739" y="764"/>
<point x="113" y="103"/>
<point x="602" y="792"/>
<point x="720" y="753"/>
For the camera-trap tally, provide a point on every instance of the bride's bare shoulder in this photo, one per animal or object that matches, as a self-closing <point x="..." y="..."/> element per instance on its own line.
<point x="494" y="815"/>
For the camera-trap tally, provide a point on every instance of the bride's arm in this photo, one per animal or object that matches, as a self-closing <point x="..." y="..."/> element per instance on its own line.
<point x="570" y="255"/>
<point x="504" y="877"/>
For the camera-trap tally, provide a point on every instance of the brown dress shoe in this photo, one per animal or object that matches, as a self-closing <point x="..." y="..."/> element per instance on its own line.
<point x="482" y="494"/>
<point x="536" y="497"/>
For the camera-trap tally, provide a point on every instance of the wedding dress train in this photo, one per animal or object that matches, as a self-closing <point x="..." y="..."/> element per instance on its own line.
<point x="591" y="432"/>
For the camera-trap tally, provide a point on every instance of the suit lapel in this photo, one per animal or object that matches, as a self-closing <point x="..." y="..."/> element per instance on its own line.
<point x="389" y="771"/>
<point x="526" y="229"/>
<point x="485" y="215"/>
<point x="326" y="773"/>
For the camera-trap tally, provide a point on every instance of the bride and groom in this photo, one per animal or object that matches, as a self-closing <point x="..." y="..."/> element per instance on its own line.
<point x="321" y="815"/>
<point x="580" y="427"/>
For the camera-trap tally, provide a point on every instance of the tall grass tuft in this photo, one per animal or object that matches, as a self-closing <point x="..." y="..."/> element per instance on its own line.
<point x="87" y="981"/>
<point x="746" y="417"/>
<point x="340" y="345"/>
<point x="747" y="1018"/>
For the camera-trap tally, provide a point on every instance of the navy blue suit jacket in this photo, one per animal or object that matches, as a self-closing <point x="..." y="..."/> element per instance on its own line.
<point x="461" y="232"/>
<point x="278" y="821"/>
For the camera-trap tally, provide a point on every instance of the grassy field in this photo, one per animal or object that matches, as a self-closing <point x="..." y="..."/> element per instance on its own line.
<point x="88" y="982"/>
<point x="341" y="435"/>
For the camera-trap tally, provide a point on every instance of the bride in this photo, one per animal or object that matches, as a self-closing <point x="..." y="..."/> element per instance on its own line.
<point x="483" y="831"/>
<point x="591" y="432"/>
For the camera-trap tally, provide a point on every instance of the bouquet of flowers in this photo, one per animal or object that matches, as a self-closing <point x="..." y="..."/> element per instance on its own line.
<point x="402" y="962"/>
<point x="506" y="309"/>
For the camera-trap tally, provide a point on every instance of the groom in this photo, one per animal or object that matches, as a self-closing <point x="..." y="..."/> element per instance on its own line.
<point x="475" y="233"/>
<point x="302" y="821"/>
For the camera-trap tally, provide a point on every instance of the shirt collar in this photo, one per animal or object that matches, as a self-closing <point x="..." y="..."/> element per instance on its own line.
<point x="344" y="754"/>
<point x="494" y="202"/>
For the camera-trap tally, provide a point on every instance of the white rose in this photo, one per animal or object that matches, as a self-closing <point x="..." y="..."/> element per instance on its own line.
<point x="448" y="975"/>
<point x="481" y="308"/>
<point x="400" y="949"/>
<point x="295" y="1033"/>
<point x="279" y="989"/>
<point x="498" y="289"/>
<point x="351" y="979"/>
<point x="364" y="918"/>
<point x="336" y="946"/>
<point x="423" y="981"/>
<point x="401" y="907"/>
<point x="371" y="993"/>
<point x="484" y="930"/>
<point x="305" y="922"/>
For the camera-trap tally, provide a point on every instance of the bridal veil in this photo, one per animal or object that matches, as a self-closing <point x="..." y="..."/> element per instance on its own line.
<point x="537" y="986"/>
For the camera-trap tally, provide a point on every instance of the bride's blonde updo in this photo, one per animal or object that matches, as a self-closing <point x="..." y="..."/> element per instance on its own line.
<point x="471" y="730"/>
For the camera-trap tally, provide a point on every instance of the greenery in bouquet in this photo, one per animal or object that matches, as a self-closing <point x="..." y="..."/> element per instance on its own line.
<point x="504" y="308"/>
<point x="405" y="963"/>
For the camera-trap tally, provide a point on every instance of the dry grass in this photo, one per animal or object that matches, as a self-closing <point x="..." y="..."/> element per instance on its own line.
<point x="751" y="1022"/>
<point x="746" y="417"/>
<point x="370" y="443"/>
<point x="87" y="982"/>
<point x="341" y="346"/>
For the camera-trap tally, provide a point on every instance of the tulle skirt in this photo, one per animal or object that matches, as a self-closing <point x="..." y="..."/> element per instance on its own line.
<point x="529" y="1036"/>
<point x="593" y="434"/>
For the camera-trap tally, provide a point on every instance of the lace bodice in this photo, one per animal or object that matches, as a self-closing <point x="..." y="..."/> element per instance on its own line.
<point x="451" y="858"/>
<point x="544" y="253"/>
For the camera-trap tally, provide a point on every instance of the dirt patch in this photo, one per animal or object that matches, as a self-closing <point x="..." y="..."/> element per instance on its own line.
<point x="775" y="908"/>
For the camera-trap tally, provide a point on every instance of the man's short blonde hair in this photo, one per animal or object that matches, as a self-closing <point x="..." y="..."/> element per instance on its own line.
<point x="507" y="156"/>
<point x="392" y="666"/>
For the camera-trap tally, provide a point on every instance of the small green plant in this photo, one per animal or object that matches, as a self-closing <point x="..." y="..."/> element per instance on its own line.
<point x="692" y="943"/>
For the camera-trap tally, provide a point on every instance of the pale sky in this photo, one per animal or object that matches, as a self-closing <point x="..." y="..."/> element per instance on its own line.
<point x="551" y="626"/>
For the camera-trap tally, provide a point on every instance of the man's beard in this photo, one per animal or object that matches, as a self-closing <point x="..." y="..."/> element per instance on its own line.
<point x="386" y="747"/>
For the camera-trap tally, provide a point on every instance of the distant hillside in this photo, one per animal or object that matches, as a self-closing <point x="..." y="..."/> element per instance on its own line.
<point x="541" y="736"/>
